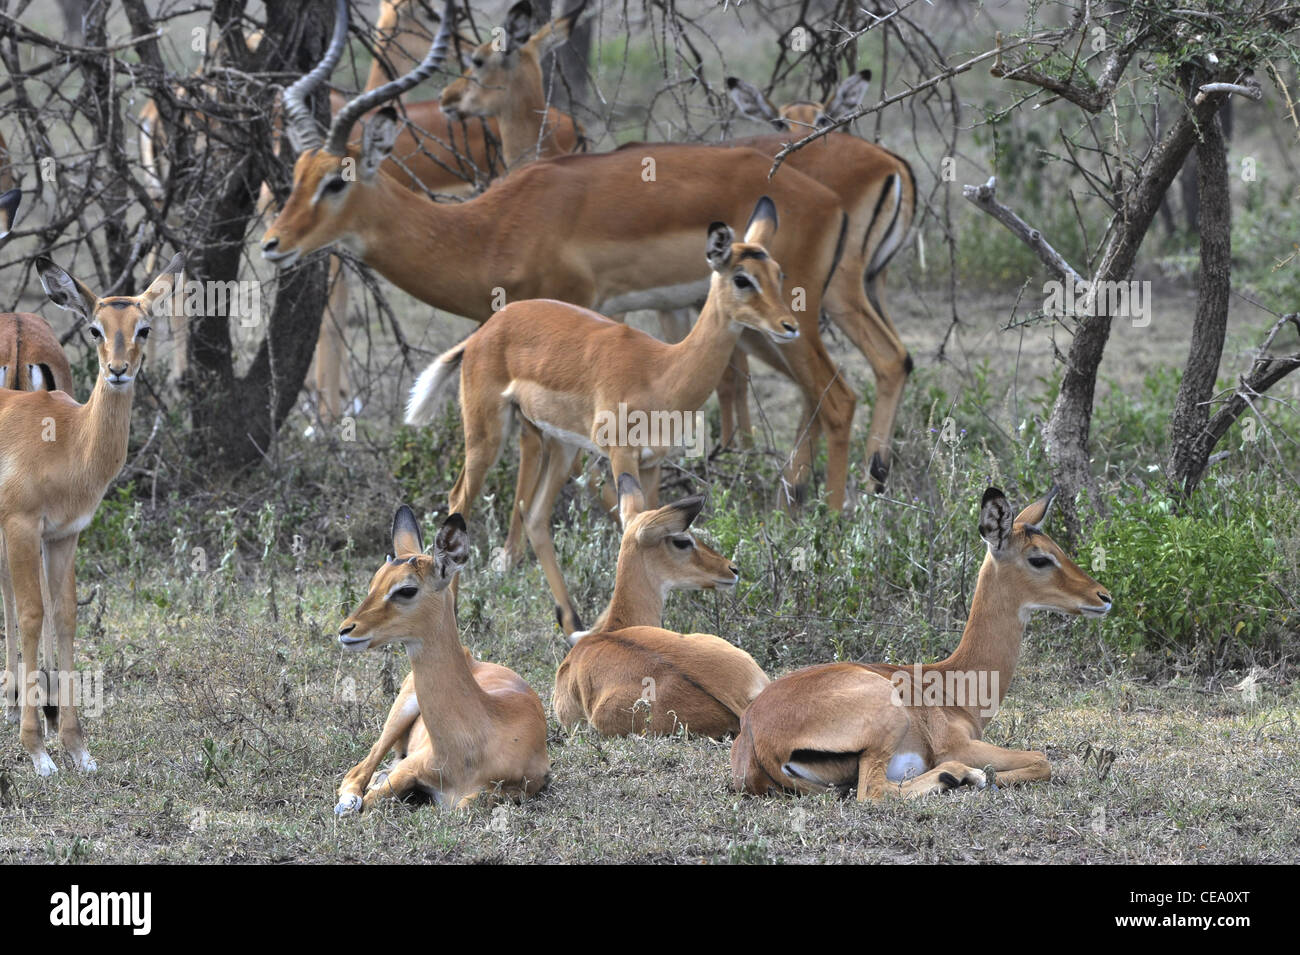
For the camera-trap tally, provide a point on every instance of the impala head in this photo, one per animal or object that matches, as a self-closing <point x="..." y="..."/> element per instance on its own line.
<point x="1029" y="564"/>
<point x="747" y="281"/>
<point x="119" y="324"/>
<point x="411" y="588"/>
<point x="802" y="117"/>
<point x="505" y="74"/>
<point x="663" y="548"/>
<point x="330" y="177"/>
<point x="9" y="210"/>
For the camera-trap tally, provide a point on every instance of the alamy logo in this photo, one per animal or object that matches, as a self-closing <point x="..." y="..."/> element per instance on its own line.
<point x="77" y="908"/>
<point x="1131" y="300"/>
<point x="652" y="429"/>
<point x="971" y="689"/>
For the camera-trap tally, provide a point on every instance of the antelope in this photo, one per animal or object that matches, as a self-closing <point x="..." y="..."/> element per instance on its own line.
<point x="576" y="379"/>
<point x="878" y="191"/>
<point x="506" y="85"/>
<point x="481" y="728"/>
<point x="912" y="731"/>
<point x="31" y="359"/>
<point x="627" y="676"/>
<point x="650" y="565"/>
<point x="546" y="231"/>
<point x="57" y="459"/>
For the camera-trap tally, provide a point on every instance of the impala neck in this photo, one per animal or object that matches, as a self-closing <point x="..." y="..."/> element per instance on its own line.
<point x="421" y="246"/>
<point x="522" y="135"/>
<point x="990" y="644"/>
<point x="452" y="704"/>
<point x="103" y="426"/>
<point x="638" y="599"/>
<point x="698" y="361"/>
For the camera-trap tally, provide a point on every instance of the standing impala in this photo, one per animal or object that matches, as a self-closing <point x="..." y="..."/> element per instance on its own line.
<point x="627" y="675"/>
<point x="916" y="730"/>
<point x="649" y="566"/>
<point x="56" y="461"/>
<point x="31" y="359"/>
<point x="610" y="230"/>
<point x="581" y="382"/>
<point x="481" y="728"/>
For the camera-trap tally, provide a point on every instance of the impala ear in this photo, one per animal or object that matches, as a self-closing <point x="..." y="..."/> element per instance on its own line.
<point x="718" y="250"/>
<point x="8" y="210"/>
<point x="672" y="518"/>
<point x="164" y="284"/>
<point x="406" y="536"/>
<point x="377" y="139"/>
<point x="762" y="223"/>
<point x="995" y="521"/>
<point x="451" y="548"/>
<point x="557" y="31"/>
<point x="847" y="98"/>
<point x="751" y="102"/>
<point x="631" y="499"/>
<point x="65" y="291"/>
<point x="519" y="25"/>
<point x="1036" y="513"/>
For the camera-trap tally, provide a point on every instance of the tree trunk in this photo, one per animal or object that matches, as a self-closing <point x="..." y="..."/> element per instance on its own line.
<point x="1189" y="452"/>
<point x="1070" y="423"/>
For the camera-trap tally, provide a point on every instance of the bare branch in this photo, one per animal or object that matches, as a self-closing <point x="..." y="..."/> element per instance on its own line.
<point x="985" y="198"/>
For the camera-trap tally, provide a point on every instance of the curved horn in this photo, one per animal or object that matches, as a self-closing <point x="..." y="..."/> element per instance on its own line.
<point x="302" y="128"/>
<point x="347" y="117"/>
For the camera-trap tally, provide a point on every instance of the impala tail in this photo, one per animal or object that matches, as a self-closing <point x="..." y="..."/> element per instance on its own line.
<point x="430" y="392"/>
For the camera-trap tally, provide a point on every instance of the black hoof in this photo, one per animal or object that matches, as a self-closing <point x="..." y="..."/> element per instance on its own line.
<point x="949" y="780"/>
<point x="879" y="471"/>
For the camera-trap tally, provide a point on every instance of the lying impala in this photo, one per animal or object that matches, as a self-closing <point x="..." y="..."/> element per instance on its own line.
<point x="31" y="359"/>
<point x="550" y="230"/>
<point x="56" y="461"/>
<point x="626" y="676"/>
<point x="482" y="729"/>
<point x="916" y="730"/>
<point x="574" y="378"/>
<point x="650" y="565"/>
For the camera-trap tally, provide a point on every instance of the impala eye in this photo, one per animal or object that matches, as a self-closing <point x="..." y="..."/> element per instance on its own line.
<point x="742" y="282"/>
<point x="335" y="186"/>
<point x="478" y="62"/>
<point x="683" y="543"/>
<point x="142" y="334"/>
<point x="96" y="333"/>
<point x="406" y="593"/>
<point x="1040" y="561"/>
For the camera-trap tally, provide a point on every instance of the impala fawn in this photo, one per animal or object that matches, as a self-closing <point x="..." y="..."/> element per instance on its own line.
<point x="628" y="676"/>
<point x="481" y="727"/>
<point x="916" y="730"/>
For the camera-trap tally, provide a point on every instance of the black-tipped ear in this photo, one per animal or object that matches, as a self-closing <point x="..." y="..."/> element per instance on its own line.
<point x="451" y="547"/>
<point x="751" y="102"/>
<point x="848" y="95"/>
<point x="406" y="536"/>
<point x="718" y="250"/>
<point x="690" y="507"/>
<point x="519" y="24"/>
<point x="1036" y="513"/>
<point x="9" y="206"/>
<point x="65" y="291"/>
<point x="763" y="222"/>
<point x="995" y="520"/>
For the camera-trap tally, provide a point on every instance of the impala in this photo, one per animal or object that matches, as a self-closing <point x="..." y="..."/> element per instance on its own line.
<point x="10" y="194"/>
<point x="31" y="359"/>
<point x="504" y="82"/>
<point x="57" y="458"/>
<point x="650" y="564"/>
<point x="917" y="730"/>
<point x="566" y="372"/>
<point x="482" y="729"/>
<point x="628" y="676"/>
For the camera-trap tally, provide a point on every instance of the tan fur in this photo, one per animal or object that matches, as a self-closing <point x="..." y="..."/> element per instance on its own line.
<point x="57" y="458"/>
<point x="27" y="340"/>
<point x="562" y="370"/>
<point x="840" y="724"/>
<point x="482" y="729"/>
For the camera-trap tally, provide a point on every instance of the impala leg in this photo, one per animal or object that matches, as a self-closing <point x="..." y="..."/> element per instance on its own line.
<point x="23" y="549"/>
<point x="650" y="478"/>
<point x="61" y="555"/>
<point x="1011" y="765"/>
<point x="876" y="337"/>
<point x="628" y="461"/>
<point x="49" y="664"/>
<point x="537" y="524"/>
<point x="872" y="765"/>
<point x="947" y="775"/>
<point x="11" y="680"/>
<point x="532" y="457"/>
<point x="733" y="397"/>
<point x="398" y="784"/>
<point x="330" y="347"/>
<point x="828" y="406"/>
<point x="401" y="715"/>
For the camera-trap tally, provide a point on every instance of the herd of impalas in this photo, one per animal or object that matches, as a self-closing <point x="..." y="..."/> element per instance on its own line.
<point x="567" y="237"/>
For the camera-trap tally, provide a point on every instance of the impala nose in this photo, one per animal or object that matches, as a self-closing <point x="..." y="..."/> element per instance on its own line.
<point x="117" y="371"/>
<point x="734" y="570"/>
<point x="790" y="327"/>
<point x="270" y="245"/>
<point x="1104" y="597"/>
<point x="344" y="631"/>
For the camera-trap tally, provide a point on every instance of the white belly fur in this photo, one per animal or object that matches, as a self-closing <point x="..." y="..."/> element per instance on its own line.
<point x="904" y="766"/>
